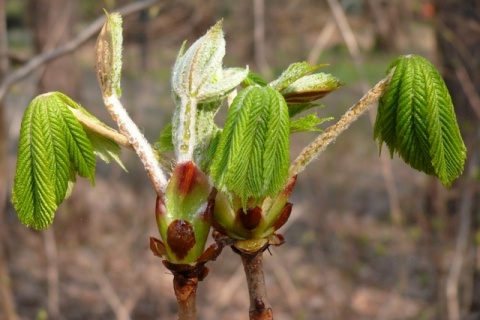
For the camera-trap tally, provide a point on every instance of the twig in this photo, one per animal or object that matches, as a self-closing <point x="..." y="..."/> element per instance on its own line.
<point x="310" y="152"/>
<point x="186" y="292"/>
<point x="143" y="149"/>
<point x="385" y="163"/>
<point x="259" y="35"/>
<point x="321" y="41"/>
<point x="52" y="273"/>
<point x="349" y="37"/>
<point x="109" y="292"/>
<point x="468" y="87"/>
<point x="286" y="283"/>
<point x="461" y="246"/>
<point x="68" y="47"/>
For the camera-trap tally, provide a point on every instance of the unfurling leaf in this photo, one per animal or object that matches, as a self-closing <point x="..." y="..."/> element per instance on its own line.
<point x="252" y="156"/>
<point x="308" y="123"/>
<point x="294" y="72"/>
<point x="416" y="119"/>
<point x="254" y="79"/>
<point x="53" y="147"/>
<point x="198" y="78"/>
<point x="104" y="148"/>
<point x="164" y="142"/>
<point x="109" y="55"/>
<point x="310" y="88"/>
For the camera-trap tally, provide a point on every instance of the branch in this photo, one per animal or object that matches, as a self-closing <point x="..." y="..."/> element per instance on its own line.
<point x="453" y="284"/>
<point x="311" y="151"/>
<point x="53" y="296"/>
<point x="68" y="47"/>
<point x="259" y="307"/>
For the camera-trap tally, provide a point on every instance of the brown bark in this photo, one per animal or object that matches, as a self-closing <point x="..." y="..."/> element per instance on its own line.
<point x="259" y="306"/>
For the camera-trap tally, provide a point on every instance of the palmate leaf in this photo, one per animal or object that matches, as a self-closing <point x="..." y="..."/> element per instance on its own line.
<point x="52" y="148"/>
<point x="252" y="156"/>
<point x="416" y="119"/>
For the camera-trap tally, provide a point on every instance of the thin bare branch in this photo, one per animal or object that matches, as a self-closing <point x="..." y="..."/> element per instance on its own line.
<point x="68" y="47"/>
<point x="259" y="35"/>
<point x="322" y="40"/>
<point x="468" y="88"/>
<point x="453" y="279"/>
<point x="109" y="292"/>
<point x="53" y="296"/>
<point x="354" y="49"/>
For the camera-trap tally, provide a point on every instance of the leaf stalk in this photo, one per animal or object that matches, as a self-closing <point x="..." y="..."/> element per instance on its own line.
<point x="310" y="152"/>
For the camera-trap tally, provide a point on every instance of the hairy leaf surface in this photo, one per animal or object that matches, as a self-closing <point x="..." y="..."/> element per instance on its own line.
<point x="294" y="72"/>
<point x="252" y="156"/>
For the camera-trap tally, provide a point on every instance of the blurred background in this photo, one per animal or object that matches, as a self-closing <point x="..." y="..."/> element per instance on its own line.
<point x="369" y="237"/>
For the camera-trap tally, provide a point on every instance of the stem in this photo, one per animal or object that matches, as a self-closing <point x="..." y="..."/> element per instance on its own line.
<point x="310" y="152"/>
<point x="259" y="307"/>
<point x="186" y="292"/>
<point x="143" y="149"/>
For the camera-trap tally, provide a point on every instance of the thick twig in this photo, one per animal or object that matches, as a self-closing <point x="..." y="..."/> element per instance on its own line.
<point x="68" y="47"/>
<point x="186" y="293"/>
<point x="143" y="149"/>
<point x="259" y="306"/>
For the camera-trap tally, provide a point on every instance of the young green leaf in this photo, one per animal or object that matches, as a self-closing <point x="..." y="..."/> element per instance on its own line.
<point x="416" y="119"/>
<point x="102" y="137"/>
<point x="198" y="78"/>
<point x="309" y="122"/>
<point x="310" y="88"/>
<point x="297" y="108"/>
<point x="206" y="130"/>
<point x="164" y="142"/>
<point x="104" y="148"/>
<point x="52" y="147"/>
<point x="254" y="79"/>
<point x="252" y="156"/>
<point x="294" y="72"/>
